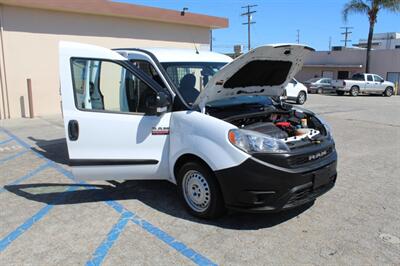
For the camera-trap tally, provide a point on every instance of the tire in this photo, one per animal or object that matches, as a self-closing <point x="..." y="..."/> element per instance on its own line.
<point x="340" y="93"/>
<point x="354" y="91"/>
<point x="301" y="98"/>
<point x="320" y="91"/>
<point x="199" y="191"/>
<point x="388" y="92"/>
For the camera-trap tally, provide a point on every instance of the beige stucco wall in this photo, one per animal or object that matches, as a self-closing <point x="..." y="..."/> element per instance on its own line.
<point x="30" y="43"/>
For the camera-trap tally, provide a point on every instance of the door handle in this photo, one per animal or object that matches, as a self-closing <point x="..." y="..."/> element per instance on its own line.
<point x="73" y="130"/>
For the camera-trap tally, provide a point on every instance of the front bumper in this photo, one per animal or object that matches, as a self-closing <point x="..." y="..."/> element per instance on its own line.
<point x="257" y="186"/>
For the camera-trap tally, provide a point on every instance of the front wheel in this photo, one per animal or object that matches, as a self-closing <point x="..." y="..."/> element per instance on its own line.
<point x="388" y="92"/>
<point x="200" y="191"/>
<point x="320" y="91"/>
<point x="301" y="98"/>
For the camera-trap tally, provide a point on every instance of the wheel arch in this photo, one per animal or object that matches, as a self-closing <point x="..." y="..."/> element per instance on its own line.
<point x="188" y="157"/>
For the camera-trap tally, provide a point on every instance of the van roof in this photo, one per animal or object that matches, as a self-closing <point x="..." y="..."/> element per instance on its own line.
<point x="184" y="55"/>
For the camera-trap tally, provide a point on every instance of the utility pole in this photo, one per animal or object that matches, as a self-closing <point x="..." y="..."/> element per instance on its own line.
<point x="249" y="22"/>
<point x="346" y="35"/>
<point x="211" y="41"/>
<point x="330" y="43"/>
<point x="298" y="36"/>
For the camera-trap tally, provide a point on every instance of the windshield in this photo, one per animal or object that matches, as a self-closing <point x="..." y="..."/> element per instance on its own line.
<point x="313" y="80"/>
<point x="191" y="77"/>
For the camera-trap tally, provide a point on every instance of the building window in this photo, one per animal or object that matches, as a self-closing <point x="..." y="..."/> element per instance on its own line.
<point x="327" y="74"/>
<point x="397" y="47"/>
<point x="343" y="74"/>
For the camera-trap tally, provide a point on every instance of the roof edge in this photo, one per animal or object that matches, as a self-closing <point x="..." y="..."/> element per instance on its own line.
<point x="123" y="10"/>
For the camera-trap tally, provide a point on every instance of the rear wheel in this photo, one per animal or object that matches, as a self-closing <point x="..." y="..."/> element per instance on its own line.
<point x="301" y="98"/>
<point x="199" y="191"/>
<point x="388" y="92"/>
<point x="340" y="93"/>
<point x="354" y="91"/>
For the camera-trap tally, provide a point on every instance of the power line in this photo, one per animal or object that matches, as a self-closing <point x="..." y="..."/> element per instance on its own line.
<point x="346" y="35"/>
<point x="249" y="22"/>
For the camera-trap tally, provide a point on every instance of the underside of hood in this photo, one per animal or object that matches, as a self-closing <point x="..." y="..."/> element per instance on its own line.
<point x="265" y="70"/>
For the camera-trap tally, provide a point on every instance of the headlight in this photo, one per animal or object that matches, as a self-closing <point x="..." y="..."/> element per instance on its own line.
<point x="251" y="142"/>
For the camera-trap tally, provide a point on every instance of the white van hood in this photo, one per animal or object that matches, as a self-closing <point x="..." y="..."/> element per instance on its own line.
<point x="265" y="70"/>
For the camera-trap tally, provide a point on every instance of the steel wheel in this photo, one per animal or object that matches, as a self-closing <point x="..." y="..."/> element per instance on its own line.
<point x="199" y="190"/>
<point x="196" y="191"/>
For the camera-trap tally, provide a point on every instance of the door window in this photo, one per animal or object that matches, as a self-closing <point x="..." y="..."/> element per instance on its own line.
<point x="149" y="69"/>
<point x="108" y="86"/>
<point x="369" y="78"/>
<point x="378" y="78"/>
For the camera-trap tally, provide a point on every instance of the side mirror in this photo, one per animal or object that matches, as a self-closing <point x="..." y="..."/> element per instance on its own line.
<point x="158" y="103"/>
<point x="162" y="102"/>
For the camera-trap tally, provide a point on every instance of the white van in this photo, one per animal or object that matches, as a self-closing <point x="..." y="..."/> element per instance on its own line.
<point x="213" y="126"/>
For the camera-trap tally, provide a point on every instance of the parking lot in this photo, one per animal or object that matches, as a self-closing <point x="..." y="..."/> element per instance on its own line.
<point x="48" y="217"/>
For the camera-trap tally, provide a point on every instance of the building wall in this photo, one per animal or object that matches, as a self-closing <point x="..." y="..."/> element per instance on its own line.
<point x="30" y="47"/>
<point x="382" y="62"/>
<point x="312" y="72"/>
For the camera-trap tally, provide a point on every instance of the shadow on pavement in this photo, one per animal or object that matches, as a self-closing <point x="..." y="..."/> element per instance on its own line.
<point x="55" y="150"/>
<point x="159" y="195"/>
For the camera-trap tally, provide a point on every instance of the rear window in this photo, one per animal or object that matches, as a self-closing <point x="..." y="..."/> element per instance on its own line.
<point x="260" y="73"/>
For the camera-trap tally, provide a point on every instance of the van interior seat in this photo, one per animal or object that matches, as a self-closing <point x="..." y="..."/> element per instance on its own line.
<point x="187" y="88"/>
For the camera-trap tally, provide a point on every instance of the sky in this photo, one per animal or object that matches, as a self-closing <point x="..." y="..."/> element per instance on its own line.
<point x="277" y="21"/>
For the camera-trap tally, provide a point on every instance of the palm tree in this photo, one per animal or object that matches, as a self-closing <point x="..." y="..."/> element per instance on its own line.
<point x="371" y="8"/>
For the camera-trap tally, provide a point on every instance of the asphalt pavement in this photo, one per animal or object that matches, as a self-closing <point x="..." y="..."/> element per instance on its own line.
<point x="47" y="217"/>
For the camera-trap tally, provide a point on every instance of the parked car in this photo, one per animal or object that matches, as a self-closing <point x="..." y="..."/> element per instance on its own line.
<point x="296" y="91"/>
<point x="320" y="85"/>
<point x="199" y="120"/>
<point x="364" y="83"/>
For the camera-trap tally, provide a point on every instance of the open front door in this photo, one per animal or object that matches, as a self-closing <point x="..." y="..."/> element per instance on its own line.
<point x="111" y="127"/>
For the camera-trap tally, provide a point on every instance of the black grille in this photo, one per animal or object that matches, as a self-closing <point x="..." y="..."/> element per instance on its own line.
<point x="303" y="159"/>
<point x="307" y="194"/>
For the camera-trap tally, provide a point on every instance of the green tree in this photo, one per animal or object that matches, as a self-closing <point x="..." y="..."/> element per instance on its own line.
<point x="370" y="8"/>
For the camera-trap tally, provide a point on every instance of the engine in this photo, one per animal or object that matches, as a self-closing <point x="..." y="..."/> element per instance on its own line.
<point x="286" y="125"/>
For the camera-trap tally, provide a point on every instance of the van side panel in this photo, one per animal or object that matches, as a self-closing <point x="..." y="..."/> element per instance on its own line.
<point x="205" y="136"/>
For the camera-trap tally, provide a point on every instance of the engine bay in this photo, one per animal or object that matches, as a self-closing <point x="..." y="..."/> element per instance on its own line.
<point x="291" y="126"/>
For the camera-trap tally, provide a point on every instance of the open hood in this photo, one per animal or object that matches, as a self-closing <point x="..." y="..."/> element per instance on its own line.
<point x="265" y="70"/>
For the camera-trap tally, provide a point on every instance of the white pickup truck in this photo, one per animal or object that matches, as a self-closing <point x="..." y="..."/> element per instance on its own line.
<point x="364" y="83"/>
